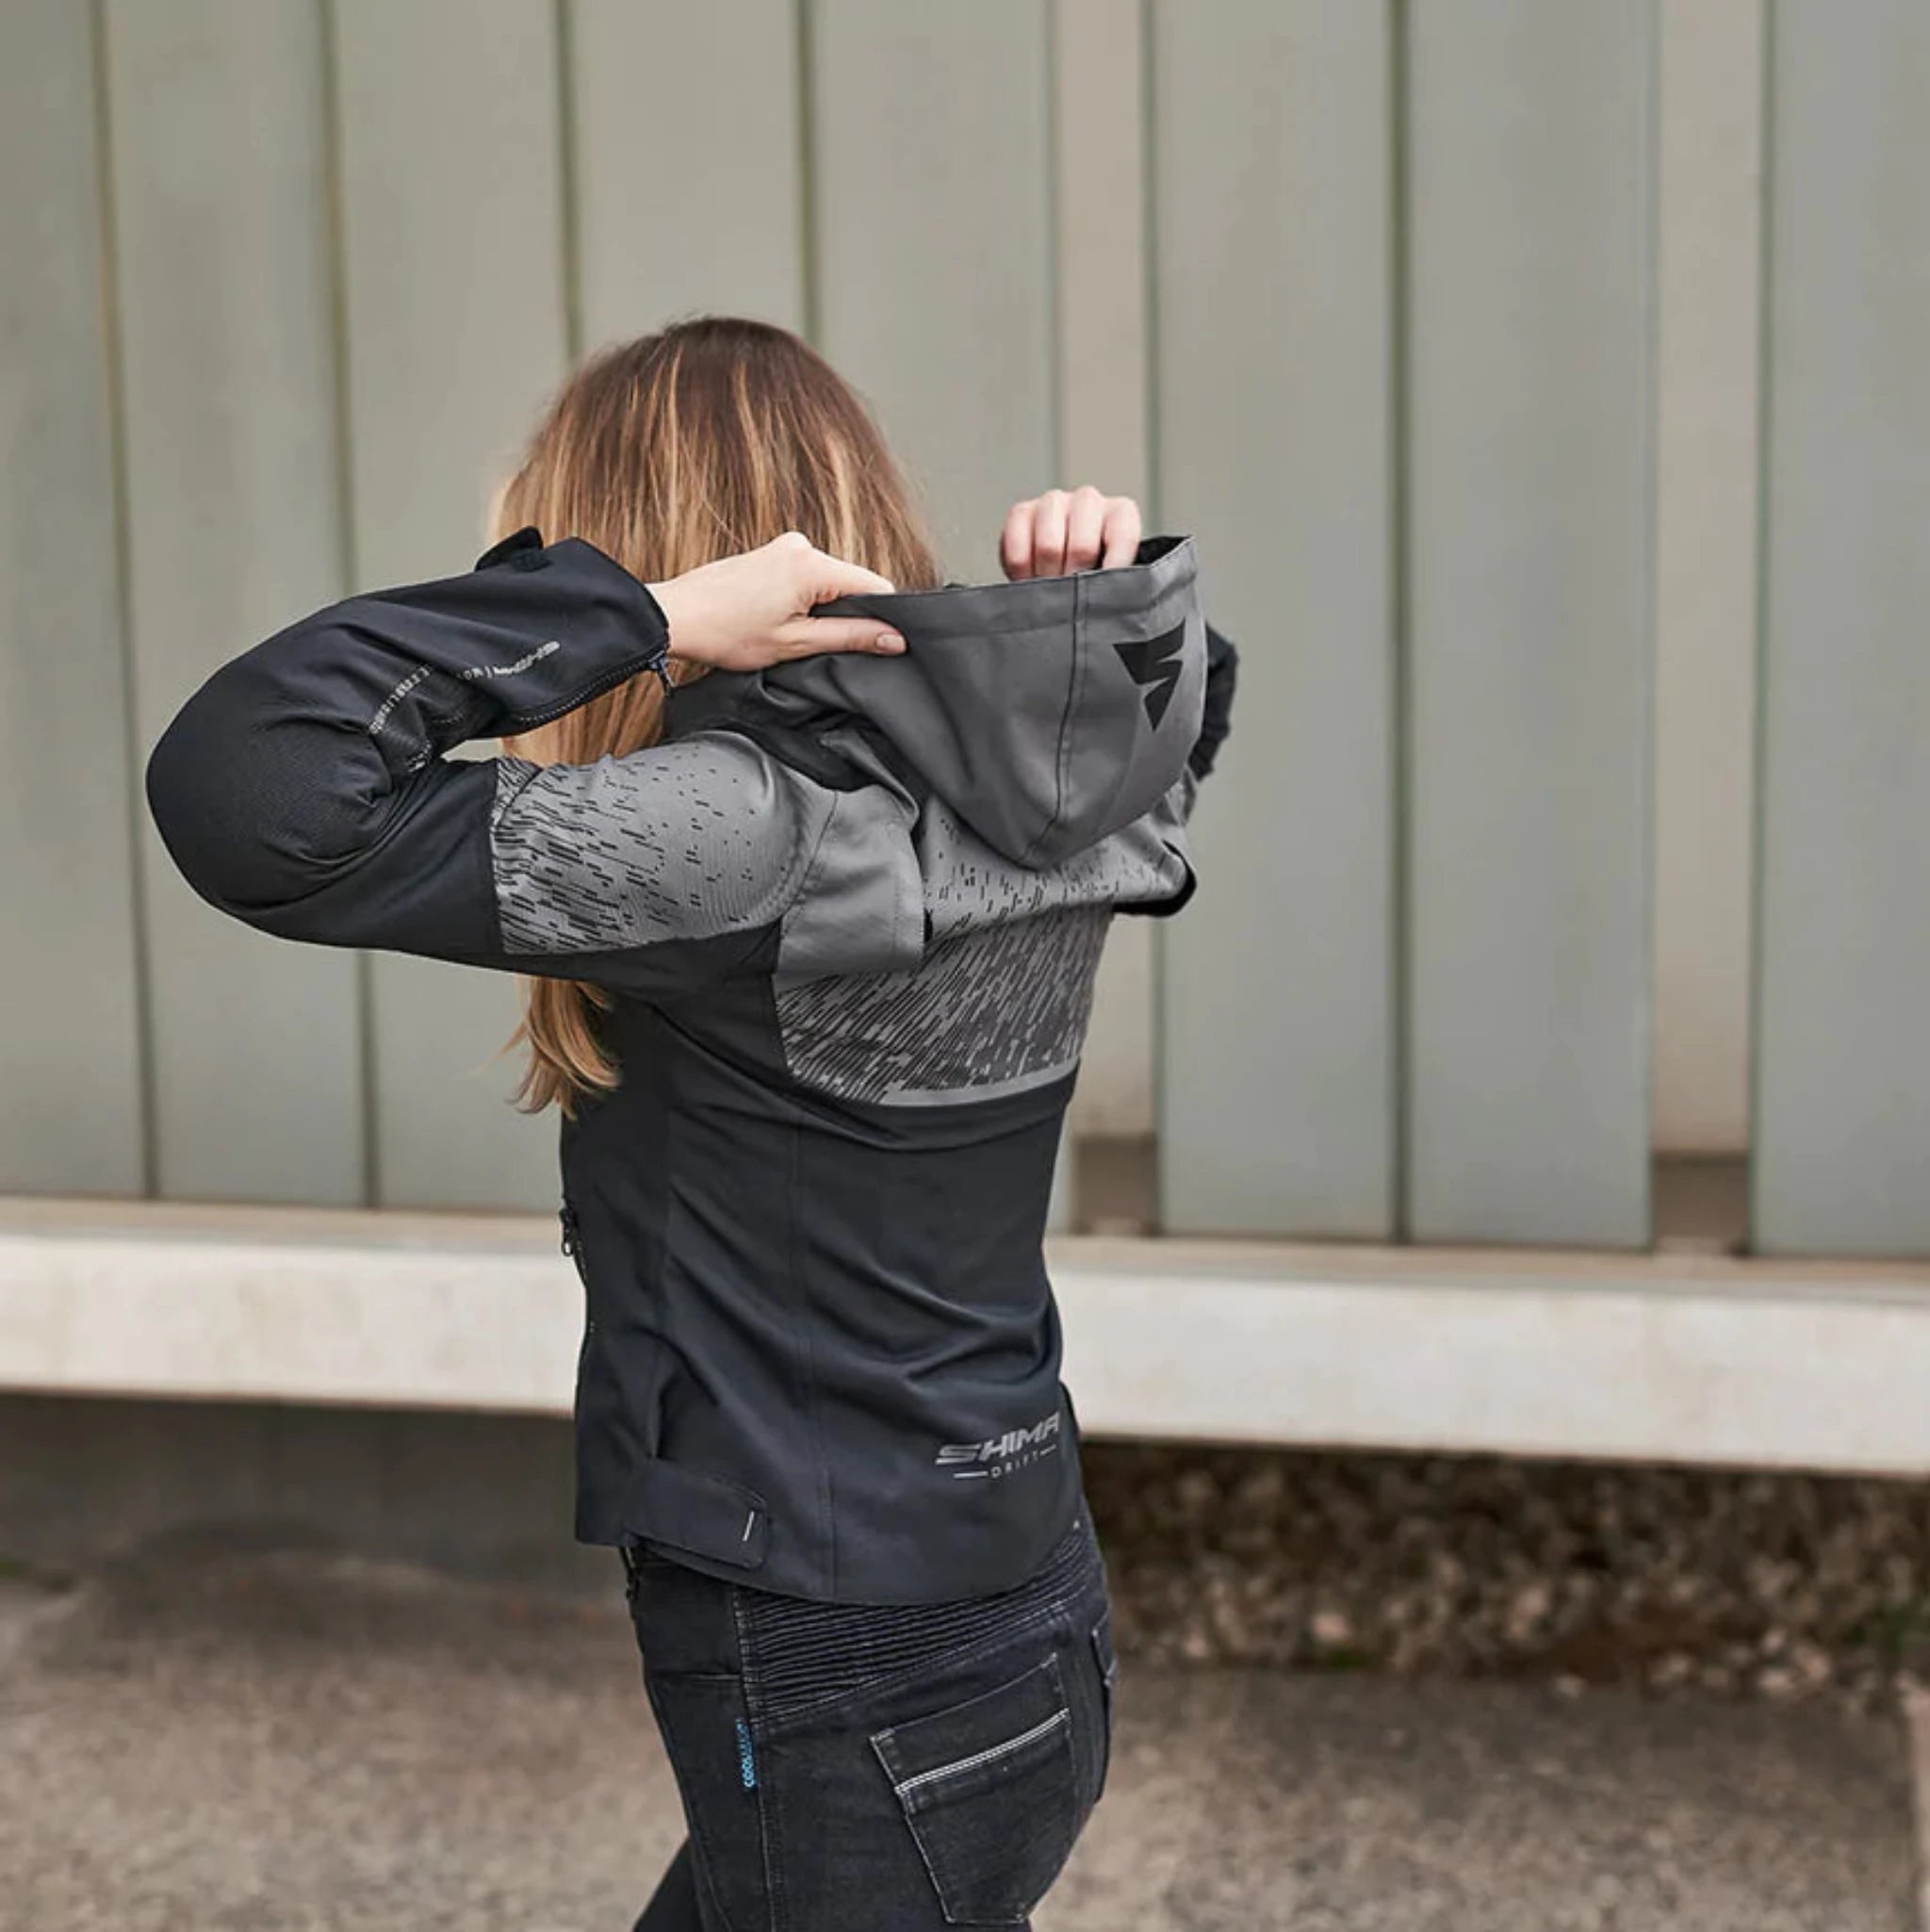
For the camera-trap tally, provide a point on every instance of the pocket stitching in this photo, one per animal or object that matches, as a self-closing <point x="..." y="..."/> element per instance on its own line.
<point x="884" y="1741"/>
<point x="989" y="1755"/>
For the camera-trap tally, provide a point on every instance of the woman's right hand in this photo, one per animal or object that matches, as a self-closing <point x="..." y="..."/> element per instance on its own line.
<point x="1067" y="531"/>
<point x="748" y="612"/>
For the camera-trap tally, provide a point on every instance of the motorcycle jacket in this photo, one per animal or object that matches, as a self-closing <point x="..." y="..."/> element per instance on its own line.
<point x="847" y="915"/>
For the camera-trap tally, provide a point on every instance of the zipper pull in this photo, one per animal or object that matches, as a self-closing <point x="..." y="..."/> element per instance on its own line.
<point x="572" y="1243"/>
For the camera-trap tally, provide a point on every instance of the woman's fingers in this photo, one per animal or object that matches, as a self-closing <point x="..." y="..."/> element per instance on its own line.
<point x="1062" y="531"/>
<point x="808" y="637"/>
<point x="743" y="612"/>
<point x="1048" y="519"/>
<point x="1121" y="531"/>
<point x="828" y="577"/>
<point x="1085" y="529"/>
<point x="746" y="612"/>
<point x="1015" y="541"/>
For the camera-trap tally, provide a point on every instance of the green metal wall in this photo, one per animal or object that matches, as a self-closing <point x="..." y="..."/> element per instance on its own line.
<point x="1529" y="253"/>
<point x="1843" y="1051"/>
<point x="1274" y="236"/>
<point x="1363" y="291"/>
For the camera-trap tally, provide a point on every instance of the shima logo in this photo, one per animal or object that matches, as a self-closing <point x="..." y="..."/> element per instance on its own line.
<point x="1154" y="663"/>
<point x="1000" y="1455"/>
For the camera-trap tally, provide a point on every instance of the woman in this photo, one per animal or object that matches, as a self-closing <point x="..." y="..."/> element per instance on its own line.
<point x="808" y="945"/>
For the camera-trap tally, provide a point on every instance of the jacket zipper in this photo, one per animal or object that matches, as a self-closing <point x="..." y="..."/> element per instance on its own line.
<point x="573" y="1247"/>
<point x="608" y="680"/>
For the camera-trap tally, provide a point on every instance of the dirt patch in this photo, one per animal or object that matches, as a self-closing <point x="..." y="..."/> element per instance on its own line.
<point x="1782" y="1586"/>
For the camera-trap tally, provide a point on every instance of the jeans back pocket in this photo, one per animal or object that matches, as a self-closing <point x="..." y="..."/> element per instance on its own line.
<point x="990" y="1790"/>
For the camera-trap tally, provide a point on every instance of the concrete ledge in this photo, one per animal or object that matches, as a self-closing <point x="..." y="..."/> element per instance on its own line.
<point x="1653" y="1358"/>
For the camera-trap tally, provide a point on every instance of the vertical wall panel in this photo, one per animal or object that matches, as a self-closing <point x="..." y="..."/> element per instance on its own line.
<point x="220" y="170"/>
<point x="1842" y="1123"/>
<point x="1530" y="398"/>
<point x="1708" y="323"/>
<point x="451" y="215"/>
<point x="689" y="154"/>
<point x="1099" y="126"/>
<point x="1099" y="84"/>
<point x="932" y="220"/>
<point x="1272" y="207"/>
<point x="70" y="1051"/>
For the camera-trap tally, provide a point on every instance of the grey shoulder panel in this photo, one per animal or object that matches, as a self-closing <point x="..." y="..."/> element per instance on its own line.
<point x="861" y="906"/>
<point x="686" y="840"/>
<point x="970" y="886"/>
<point x="999" y="997"/>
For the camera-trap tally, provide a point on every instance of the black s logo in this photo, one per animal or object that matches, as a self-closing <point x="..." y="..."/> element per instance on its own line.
<point x="1153" y="664"/>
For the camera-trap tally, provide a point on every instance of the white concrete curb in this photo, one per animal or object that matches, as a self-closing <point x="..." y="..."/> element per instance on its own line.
<point x="1650" y="1358"/>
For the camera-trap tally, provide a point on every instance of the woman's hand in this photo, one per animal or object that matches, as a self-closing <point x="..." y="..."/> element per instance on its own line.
<point x="1060" y="532"/>
<point x="744" y="613"/>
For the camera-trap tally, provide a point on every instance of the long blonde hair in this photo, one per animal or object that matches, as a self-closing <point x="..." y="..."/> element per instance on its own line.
<point x="710" y="437"/>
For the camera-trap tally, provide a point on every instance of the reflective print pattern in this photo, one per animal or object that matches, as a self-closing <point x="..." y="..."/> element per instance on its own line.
<point x="968" y="886"/>
<point x="987" y="1011"/>
<point x="684" y="842"/>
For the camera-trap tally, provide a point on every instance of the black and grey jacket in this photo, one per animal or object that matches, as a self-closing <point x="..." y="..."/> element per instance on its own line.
<point x="848" y="914"/>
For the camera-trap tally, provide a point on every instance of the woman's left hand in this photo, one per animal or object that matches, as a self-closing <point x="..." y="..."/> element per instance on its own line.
<point x="748" y="612"/>
<point x="1066" y="531"/>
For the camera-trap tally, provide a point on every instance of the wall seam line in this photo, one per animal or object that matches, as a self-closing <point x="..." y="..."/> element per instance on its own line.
<point x="114" y="375"/>
<point x="1051" y="22"/>
<point x="1758" y="776"/>
<point x="334" y="224"/>
<point x="1400" y="641"/>
<point x="1156" y="517"/>
<point x="1649" y="268"/>
<point x="805" y="27"/>
<point x="569" y="182"/>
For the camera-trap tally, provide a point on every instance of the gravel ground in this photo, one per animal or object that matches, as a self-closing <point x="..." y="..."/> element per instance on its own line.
<point x="295" y="1743"/>
<point x="1779" y="1586"/>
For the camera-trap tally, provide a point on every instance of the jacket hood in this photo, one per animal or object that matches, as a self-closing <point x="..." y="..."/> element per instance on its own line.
<point x="1047" y="714"/>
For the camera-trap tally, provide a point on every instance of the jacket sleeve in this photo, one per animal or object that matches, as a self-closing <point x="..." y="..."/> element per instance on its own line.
<point x="1222" y="675"/>
<point x="1216" y="727"/>
<point x="303" y="788"/>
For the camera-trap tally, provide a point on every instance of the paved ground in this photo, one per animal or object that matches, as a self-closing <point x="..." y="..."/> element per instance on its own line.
<point x="281" y="1742"/>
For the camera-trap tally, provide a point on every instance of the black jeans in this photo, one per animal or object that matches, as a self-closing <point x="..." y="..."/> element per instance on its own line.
<point x="860" y="1768"/>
